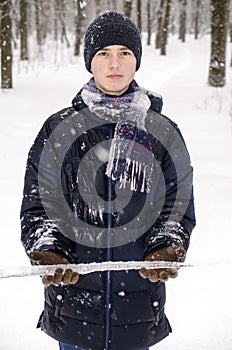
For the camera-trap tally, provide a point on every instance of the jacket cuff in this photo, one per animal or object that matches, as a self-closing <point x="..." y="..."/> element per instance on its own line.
<point x="169" y="234"/>
<point x="52" y="244"/>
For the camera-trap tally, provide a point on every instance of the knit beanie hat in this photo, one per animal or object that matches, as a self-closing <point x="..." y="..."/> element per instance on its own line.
<point x="111" y="28"/>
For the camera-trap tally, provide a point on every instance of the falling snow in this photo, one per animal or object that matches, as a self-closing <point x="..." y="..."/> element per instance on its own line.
<point x="199" y="303"/>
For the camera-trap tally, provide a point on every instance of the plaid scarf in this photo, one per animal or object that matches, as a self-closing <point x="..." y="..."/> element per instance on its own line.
<point x="131" y="157"/>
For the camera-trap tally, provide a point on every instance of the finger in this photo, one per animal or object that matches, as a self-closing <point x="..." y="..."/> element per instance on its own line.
<point x="47" y="280"/>
<point x="66" y="278"/>
<point x="153" y="276"/>
<point x="180" y="252"/>
<point x="173" y="273"/>
<point x="57" y="278"/>
<point x="143" y="272"/>
<point x="163" y="276"/>
<point x="75" y="278"/>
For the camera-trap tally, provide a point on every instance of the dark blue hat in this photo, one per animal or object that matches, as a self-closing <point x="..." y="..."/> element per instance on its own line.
<point x="111" y="28"/>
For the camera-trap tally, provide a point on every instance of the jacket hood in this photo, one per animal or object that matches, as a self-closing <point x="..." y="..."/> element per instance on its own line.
<point x="156" y="101"/>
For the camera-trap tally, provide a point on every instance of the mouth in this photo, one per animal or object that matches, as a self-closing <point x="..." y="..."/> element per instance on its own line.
<point x="114" y="76"/>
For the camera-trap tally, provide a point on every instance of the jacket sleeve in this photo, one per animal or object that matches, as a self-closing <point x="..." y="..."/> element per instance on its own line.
<point x="40" y="231"/>
<point x="176" y="218"/>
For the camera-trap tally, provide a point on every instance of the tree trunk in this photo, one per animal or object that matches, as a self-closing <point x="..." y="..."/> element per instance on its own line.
<point x="111" y="5"/>
<point x="38" y="6"/>
<point x="64" y="36"/>
<point x="196" y="19"/>
<point x="56" y="15"/>
<point x="23" y="30"/>
<point x="114" y="5"/>
<point x="164" y="34"/>
<point x="98" y="7"/>
<point x="182" y="27"/>
<point x="139" y="15"/>
<point x="128" y="8"/>
<point x="159" y="25"/>
<point x="6" y="49"/>
<point x="219" y="24"/>
<point x="148" y="22"/>
<point x="79" y="20"/>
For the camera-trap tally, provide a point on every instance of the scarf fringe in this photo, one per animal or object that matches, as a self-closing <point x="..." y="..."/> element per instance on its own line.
<point x="124" y="169"/>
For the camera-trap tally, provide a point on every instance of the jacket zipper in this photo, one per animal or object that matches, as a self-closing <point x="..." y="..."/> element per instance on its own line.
<point x="109" y="258"/>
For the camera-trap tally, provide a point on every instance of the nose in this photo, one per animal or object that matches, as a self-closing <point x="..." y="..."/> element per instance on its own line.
<point x="114" y="62"/>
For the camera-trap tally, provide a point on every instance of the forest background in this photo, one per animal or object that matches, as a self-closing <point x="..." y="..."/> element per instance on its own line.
<point x="187" y="59"/>
<point x="28" y="28"/>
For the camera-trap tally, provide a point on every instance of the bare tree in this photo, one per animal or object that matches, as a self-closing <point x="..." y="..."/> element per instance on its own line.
<point x="56" y="15"/>
<point x="111" y="4"/>
<point x="148" y="22"/>
<point x="139" y="15"/>
<point x="230" y="27"/>
<point x="79" y="20"/>
<point x="15" y="25"/>
<point x="159" y="24"/>
<point x="5" y="41"/>
<point x="219" y="24"/>
<point x="230" y="20"/>
<point x="196" y="19"/>
<point x="114" y="5"/>
<point x="164" y="33"/>
<point x="23" y="30"/>
<point x="182" y="26"/>
<point x="62" y="13"/>
<point x="98" y="7"/>
<point x="127" y="8"/>
<point x="39" y="33"/>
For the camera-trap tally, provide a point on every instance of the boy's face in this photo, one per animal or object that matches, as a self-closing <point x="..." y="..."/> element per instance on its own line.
<point x="113" y="69"/>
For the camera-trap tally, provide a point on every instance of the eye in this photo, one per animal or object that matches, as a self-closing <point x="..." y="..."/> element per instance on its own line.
<point x="127" y="53"/>
<point x="102" y="53"/>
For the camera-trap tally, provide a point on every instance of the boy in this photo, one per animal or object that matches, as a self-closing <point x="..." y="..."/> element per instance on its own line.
<point x="108" y="179"/>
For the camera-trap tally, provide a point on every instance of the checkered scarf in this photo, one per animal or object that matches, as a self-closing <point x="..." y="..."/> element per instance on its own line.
<point x="131" y="157"/>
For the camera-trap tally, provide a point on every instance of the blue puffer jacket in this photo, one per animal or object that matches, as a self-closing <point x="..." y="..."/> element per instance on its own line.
<point x="62" y="212"/>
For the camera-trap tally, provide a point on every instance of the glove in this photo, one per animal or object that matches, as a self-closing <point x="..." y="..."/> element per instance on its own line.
<point x="171" y="253"/>
<point x="60" y="276"/>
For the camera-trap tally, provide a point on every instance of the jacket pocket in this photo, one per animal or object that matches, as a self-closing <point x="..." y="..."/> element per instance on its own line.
<point x="83" y="305"/>
<point x="131" y="308"/>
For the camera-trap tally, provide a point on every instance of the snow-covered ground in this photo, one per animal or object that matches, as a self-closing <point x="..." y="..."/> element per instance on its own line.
<point x="199" y="303"/>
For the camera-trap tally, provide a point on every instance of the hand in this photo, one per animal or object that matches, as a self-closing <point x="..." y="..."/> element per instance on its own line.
<point x="60" y="276"/>
<point x="171" y="253"/>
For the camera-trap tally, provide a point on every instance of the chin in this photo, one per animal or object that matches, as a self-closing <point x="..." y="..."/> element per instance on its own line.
<point x="117" y="90"/>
